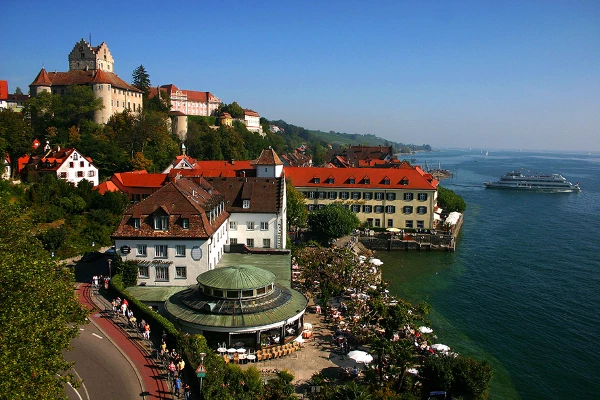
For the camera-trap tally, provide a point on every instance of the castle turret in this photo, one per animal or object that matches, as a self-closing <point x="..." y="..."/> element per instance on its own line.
<point x="41" y="83"/>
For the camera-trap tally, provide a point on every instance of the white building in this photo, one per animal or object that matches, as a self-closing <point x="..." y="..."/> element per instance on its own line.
<point x="175" y="234"/>
<point x="67" y="164"/>
<point x="252" y="121"/>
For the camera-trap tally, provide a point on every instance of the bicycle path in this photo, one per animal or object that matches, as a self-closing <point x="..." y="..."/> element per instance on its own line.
<point x="150" y="376"/>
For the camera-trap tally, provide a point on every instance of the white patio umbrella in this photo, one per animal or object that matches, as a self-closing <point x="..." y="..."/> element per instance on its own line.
<point x="425" y="329"/>
<point x="376" y="261"/>
<point x="360" y="356"/>
<point x="299" y="339"/>
<point x="395" y="230"/>
<point x="307" y="326"/>
<point x="413" y="371"/>
<point x="440" y="347"/>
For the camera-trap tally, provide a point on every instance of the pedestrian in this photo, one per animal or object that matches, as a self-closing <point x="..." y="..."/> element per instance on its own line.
<point x="177" y="386"/>
<point x="172" y="369"/>
<point x="181" y="366"/>
<point x="164" y="336"/>
<point x="187" y="392"/>
<point x="147" y="332"/>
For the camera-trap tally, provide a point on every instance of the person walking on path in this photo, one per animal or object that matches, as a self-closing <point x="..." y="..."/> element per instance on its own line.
<point x="147" y="331"/>
<point x="186" y="391"/>
<point x="177" y="386"/>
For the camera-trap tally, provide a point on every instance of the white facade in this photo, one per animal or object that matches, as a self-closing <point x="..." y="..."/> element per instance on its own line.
<point x="174" y="262"/>
<point x="268" y="171"/>
<point x="254" y="229"/>
<point x="77" y="168"/>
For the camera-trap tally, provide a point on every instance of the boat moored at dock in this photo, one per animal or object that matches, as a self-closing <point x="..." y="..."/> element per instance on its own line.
<point x="533" y="181"/>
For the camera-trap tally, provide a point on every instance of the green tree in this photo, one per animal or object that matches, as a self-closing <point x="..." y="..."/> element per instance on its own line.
<point x="297" y="214"/>
<point x="40" y="314"/>
<point x="141" y="79"/>
<point x="18" y="91"/>
<point x="332" y="221"/>
<point x="15" y="137"/>
<point x="450" y="201"/>
<point x="128" y="270"/>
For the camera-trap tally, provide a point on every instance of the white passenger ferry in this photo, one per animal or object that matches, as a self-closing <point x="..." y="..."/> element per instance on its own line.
<point x="541" y="182"/>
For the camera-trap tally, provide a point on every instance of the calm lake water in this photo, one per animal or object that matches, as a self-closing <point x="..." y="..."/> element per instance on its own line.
<point x="523" y="288"/>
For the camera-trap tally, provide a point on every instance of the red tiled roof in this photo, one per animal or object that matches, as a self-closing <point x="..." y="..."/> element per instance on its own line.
<point x="138" y="179"/>
<point x="80" y="77"/>
<point x="268" y="157"/>
<point x="417" y="179"/>
<point x="250" y="113"/>
<point x="182" y="198"/>
<point x="107" y="186"/>
<point x="265" y="194"/>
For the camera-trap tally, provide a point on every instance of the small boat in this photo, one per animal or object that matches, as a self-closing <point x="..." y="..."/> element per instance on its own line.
<point x="533" y="181"/>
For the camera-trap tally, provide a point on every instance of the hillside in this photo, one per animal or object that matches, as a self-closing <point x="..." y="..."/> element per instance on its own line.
<point x="345" y="139"/>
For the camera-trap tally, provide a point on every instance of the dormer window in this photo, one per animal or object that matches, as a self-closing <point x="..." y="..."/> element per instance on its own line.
<point x="316" y="180"/>
<point x="161" y="223"/>
<point x="330" y="179"/>
<point x="246" y="204"/>
<point x="185" y="223"/>
<point x="352" y="181"/>
<point x="366" y="180"/>
<point x="136" y="223"/>
<point x="404" y="182"/>
<point x="386" y="181"/>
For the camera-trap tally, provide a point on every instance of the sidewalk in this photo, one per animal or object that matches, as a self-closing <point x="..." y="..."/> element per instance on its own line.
<point x="152" y="378"/>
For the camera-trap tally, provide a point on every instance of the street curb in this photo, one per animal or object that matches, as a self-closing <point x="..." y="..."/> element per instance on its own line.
<point x="137" y="373"/>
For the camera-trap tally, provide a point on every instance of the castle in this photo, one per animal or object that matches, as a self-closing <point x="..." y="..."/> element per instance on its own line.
<point x="94" y="67"/>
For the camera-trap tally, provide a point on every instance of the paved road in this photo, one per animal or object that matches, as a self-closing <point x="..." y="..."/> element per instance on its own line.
<point x="105" y="372"/>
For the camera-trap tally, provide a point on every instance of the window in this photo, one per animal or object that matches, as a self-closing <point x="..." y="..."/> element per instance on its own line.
<point x="422" y="210"/>
<point x="143" y="272"/>
<point x="91" y="173"/>
<point x="185" y="223"/>
<point x="82" y="164"/>
<point x="367" y="209"/>
<point x="233" y="225"/>
<point x="421" y="224"/>
<point x="367" y="181"/>
<point x="161" y="223"/>
<point x="390" y="196"/>
<point x="75" y="156"/>
<point x="408" y="224"/>
<point x="250" y="225"/>
<point x="370" y="221"/>
<point x="162" y="273"/>
<point x="330" y="179"/>
<point x="264" y="226"/>
<point x="250" y="242"/>
<point x="367" y="195"/>
<point x="160" y="251"/>
<point x="63" y="175"/>
<point x="266" y="243"/>
<point x="344" y="195"/>
<point x="379" y="209"/>
<point x="136" y="223"/>
<point x="408" y="196"/>
<point x="311" y="207"/>
<point x="180" y="273"/>
<point x="71" y="165"/>
<point x="322" y="195"/>
<point x="351" y="181"/>
<point x="377" y="223"/>
<point x="311" y="195"/>
<point x="379" y="196"/>
<point x="422" y="196"/>
<point x="332" y="195"/>
<point x="180" y="250"/>
<point x="386" y="181"/>
<point x="317" y="180"/>
<point x="141" y="250"/>
<point x="390" y="209"/>
<point x="233" y="240"/>
<point x="355" y="208"/>
<point x="390" y="223"/>
<point x="407" y="209"/>
<point x="246" y="204"/>
<point x="355" y="195"/>
<point x="80" y="174"/>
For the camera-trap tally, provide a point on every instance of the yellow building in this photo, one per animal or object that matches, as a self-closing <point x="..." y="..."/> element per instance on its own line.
<point x="404" y="197"/>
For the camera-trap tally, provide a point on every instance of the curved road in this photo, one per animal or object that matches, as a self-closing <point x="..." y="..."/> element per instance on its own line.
<point x="105" y="372"/>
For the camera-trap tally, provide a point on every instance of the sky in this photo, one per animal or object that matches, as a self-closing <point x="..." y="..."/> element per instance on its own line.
<point x="480" y="74"/>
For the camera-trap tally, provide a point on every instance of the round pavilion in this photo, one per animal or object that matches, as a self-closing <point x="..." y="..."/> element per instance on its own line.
<point x="240" y="306"/>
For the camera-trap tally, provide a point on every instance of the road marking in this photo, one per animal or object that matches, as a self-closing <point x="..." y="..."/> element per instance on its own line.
<point x="75" y="390"/>
<point x="98" y="336"/>
<point x="81" y="329"/>
<point x="82" y="385"/>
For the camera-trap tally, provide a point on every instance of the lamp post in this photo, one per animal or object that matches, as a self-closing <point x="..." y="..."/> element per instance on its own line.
<point x="201" y="371"/>
<point x="109" y="269"/>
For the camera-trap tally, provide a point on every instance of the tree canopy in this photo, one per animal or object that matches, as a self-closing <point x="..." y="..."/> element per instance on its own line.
<point x="15" y="136"/>
<point x="141" y="79"/>
<point x="40" y="313"/>
<point x="332" y="221"/>
<point x="450" y="201"/>
<point x="297" y="214"/>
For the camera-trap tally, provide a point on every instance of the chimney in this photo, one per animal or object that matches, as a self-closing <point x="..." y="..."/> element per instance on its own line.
<point x="232" y="161"/>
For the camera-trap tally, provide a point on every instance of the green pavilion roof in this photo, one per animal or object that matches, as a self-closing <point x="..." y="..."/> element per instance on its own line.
<point x="237" y="278"/>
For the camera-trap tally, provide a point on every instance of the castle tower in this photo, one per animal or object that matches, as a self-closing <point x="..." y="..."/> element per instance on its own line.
<point x="85" y="57"/>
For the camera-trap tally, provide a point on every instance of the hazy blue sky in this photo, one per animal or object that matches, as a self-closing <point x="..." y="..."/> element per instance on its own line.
<point x="481" y="74"/>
